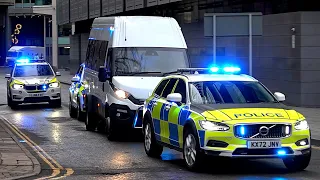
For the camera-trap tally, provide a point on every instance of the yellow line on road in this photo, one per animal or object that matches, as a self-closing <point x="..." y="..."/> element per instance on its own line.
<point x="40" y="152"/>
<point x="68" y="173"/>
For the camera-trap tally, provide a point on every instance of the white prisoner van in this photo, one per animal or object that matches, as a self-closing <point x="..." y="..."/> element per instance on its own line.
<point x="126" y="58"/>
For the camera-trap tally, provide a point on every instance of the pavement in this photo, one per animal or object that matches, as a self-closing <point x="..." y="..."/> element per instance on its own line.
<point x="15" y="160"/>
<point x="66" y="150"/>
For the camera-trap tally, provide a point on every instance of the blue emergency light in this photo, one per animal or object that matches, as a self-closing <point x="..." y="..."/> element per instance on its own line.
<point x="226" y="69"/>
<point x="22" y="60"/>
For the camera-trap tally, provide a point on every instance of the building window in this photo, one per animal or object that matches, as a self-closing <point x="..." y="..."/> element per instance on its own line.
<point x="64" y="50"/>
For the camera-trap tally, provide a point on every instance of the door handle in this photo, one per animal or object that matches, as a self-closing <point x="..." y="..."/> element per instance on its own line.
<point x="168" y="107"/>
<point x="154" y="104"/>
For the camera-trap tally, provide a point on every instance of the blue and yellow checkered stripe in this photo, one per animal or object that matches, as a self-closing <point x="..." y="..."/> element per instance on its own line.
<point x="168" y="124"/>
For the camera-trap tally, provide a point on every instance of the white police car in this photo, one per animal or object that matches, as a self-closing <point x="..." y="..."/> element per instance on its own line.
<point x="33" y="81"/>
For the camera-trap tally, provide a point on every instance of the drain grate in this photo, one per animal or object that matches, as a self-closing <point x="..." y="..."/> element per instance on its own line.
<point x="58" y="119"/>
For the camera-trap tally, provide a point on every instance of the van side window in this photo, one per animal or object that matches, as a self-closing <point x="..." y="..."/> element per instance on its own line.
<point x="90" y="54"/>
<point x="96" y="54"/>
<point x="108" y="61"/>
<point x="102" y="53"/>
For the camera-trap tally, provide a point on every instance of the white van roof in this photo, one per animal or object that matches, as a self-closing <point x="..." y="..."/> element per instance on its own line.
<point x="138" y="31"/>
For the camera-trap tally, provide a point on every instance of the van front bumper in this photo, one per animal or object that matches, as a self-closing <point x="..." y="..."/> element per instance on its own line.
<point x="125" y="117"/>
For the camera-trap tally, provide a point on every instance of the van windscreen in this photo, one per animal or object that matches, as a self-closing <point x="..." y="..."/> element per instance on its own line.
<point x="135" y="60"/>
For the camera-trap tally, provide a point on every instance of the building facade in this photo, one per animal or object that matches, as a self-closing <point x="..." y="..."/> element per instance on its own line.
<point x="285" y="57"/>
<point x="34" y="21"/>
<point x="4" y="28"/>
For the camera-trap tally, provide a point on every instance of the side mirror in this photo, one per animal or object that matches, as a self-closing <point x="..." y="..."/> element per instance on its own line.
<point x="104" y="74"/>
<point x="174" y="97"/>
<point x="280" y="97"/>
<point x="75" y="79"/>
<point x="58" y="74"/>
<point x="8" y="76"/>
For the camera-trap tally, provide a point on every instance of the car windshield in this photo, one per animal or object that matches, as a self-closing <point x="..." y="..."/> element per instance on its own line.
<point x="232" y="92"/>
<point x="13" y="54"/>
<point x="33" y="70"/>
<point x="144" y="60"/>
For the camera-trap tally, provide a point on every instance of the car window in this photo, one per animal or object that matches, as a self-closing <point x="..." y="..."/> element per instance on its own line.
<point x="234" y="92"/>
<point x="181" y="88"/>
<point x="33" y="70"/>
<point x="168" y="89"/>
<point x="161" y="86"/>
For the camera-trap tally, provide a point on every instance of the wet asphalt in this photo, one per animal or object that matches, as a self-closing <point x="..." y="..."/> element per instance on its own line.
<point x="91" y="156"/>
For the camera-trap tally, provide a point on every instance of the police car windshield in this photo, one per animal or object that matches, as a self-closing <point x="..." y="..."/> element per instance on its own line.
<point x="134" y="61"/>
<point x="229" y="92"/>
<point x="33" y="70"/>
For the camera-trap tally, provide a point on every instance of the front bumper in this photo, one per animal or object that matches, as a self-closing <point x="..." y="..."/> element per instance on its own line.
<point x="126" y="117"/>
<point x="24" y="96"/>
<point x="231" y="146"/>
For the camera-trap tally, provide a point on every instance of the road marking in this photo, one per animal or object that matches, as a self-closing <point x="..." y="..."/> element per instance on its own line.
<point x="56" y="170"/>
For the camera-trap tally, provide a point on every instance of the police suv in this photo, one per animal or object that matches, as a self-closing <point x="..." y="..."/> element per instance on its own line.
<point x="223" y="114"/>
<point x="33" y="81"/>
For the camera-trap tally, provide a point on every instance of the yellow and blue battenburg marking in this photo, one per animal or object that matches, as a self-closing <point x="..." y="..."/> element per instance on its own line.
<point x="168" y="124"/>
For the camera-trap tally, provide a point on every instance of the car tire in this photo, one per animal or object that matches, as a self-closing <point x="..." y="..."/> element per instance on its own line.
<point x="81" y="116"/>
<point x="91" y="121"/>
<point x="297" y="163"/>
<point x="192" y="154"/>
<point x="55" y="103"/>
<point x="9" y="101"/>
<point x="111" y="129"/>
<point x="72" y="110"/>
<point x="151" y="147"/>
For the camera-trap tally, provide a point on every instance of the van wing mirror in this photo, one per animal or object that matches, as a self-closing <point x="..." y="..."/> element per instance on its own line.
<point x="8" y="76"/>
<point x="104" y="75"/>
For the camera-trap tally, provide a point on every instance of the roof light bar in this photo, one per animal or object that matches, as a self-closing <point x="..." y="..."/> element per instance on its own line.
<point x="214" y="69"/>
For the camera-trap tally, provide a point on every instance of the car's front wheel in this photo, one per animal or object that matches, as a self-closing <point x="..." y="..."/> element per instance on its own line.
<point x="151" y="147"/>
<point x="192" y="155"/>
<point x="81" y="116"/>
<point x="297" y="163"/>
<point x="91" y="121"/>
<point x="72" y="110"/>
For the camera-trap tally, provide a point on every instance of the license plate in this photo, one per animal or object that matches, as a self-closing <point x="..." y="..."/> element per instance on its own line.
<point x="36" y="95"/>
<point x="263" y="144"/>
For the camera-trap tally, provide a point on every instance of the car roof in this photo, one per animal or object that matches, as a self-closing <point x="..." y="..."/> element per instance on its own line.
<point x="216" y="77"/>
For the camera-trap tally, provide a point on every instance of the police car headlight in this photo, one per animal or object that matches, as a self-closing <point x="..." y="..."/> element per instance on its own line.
<point x="214" y="126"/>
<point x="122" y="94"/>
<point x="54" y="85"/>
<point x="17" y="86"/>
<point x="301" y="125"/>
